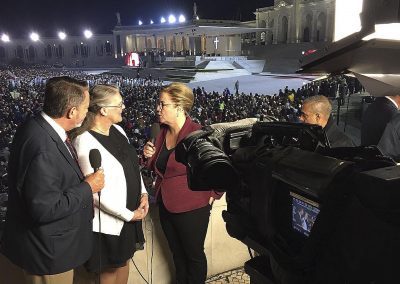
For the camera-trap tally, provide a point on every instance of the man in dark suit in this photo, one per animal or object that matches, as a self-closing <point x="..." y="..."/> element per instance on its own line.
<point x="376" y="117"/>
<point x="48" y="230"/>
<point x="389" y="144"/>
<point x="317" y="110"/>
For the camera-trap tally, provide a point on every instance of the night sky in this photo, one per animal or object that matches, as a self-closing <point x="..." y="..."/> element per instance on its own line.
<point x="19" y="17"/>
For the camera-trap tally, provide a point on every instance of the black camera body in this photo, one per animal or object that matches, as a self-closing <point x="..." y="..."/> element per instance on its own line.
<point x="313" y="214"/>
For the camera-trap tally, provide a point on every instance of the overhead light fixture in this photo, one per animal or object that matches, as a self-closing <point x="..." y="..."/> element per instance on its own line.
<point x="385" y="31"/>
<point x="350" y="11"/>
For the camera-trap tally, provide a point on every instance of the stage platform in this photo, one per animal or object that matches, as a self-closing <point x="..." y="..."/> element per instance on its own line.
<point x="218" y="79"/>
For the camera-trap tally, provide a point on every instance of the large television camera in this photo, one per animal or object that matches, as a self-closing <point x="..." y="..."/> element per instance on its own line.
<point x="312" y="214"/>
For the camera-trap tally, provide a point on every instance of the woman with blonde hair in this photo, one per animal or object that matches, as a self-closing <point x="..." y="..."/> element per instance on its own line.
<point x="124" y="201"/>
<point x="184" y="214"/>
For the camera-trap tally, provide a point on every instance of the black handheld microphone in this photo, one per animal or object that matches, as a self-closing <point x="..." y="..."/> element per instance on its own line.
<point x="95" y="159"/>
<point x="155" y="129"/>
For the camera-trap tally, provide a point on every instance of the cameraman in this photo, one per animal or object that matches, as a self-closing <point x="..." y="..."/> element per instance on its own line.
<point x="317" y="110"/>
<point x="184" y="214"/>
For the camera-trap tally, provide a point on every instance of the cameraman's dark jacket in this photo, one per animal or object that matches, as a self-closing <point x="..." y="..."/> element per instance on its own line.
<point x="173" y="186"/>
<point x="336" y="137"/>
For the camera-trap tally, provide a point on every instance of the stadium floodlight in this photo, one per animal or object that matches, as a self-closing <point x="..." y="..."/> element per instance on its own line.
<point x="5" y="38"/>
<point x="162" y="20"/>
<point x="182" y="19"/>
<point x="171" y="19"/>
<point x="140" y="23"/>
<point x="34" y="36"/>
<point x="62" y="35"/>
<point x="151" y="22"/>
<point x="88" y="33"/>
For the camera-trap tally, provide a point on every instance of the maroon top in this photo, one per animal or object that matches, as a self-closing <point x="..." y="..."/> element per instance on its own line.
<point x="176" y="195"/>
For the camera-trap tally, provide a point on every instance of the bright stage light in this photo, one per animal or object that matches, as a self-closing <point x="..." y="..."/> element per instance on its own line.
<point x="62" y="35"/>
<point x="88" y="34"/>
<point x="171" y="19"/>
<point x="151" y="22"/>
<point x="182" y="19"/>
<point x="385" y="31"/>
<point x="5" y="38"/>
<point x="140" y="23"/>
<point x="34" y="37"/>
<point x="347" y="18"/>
<point x="162" y="20"/>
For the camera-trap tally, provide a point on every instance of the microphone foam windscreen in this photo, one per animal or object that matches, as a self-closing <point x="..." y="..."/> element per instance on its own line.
<point x="155" y="129"/>
<point x="95" y="158"/>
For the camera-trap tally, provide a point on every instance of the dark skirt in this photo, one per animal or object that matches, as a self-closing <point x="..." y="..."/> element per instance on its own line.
<point x="115" y="251"/>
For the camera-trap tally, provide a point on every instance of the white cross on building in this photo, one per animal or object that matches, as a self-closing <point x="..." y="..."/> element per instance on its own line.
<point x="216" y="41"/>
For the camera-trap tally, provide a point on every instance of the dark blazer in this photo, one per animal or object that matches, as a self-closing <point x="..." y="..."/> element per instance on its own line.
<point x="173" y="186"/>
<point x="336" y="137"/>
<point x="389" y="144"/>
<point x="374" y="120"/>
<point x="48" y="226"/>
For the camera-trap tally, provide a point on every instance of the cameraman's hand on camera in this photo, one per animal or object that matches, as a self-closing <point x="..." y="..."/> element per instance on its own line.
<point x="149" y="150"/>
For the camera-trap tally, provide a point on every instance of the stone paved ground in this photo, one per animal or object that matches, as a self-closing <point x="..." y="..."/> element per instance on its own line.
<point x="236" y="276"/>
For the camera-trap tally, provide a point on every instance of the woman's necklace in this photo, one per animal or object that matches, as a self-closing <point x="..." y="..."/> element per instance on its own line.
<point x="101" y="131"/>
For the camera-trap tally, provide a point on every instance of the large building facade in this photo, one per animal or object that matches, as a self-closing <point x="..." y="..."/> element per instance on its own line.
<point x="198" y="37"/>
<point x="287" y="21"/>
<point x="295" y="21"/>
<point x="74" y="51"/>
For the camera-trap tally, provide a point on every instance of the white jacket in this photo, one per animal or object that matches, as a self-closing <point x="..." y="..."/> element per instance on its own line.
<point x="113" y="195"/>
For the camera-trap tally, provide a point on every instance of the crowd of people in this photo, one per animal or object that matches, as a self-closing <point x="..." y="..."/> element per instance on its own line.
<point x="21" y="96"/>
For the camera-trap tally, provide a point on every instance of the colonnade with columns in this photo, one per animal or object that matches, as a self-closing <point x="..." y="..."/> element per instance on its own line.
<point x="179" y="44"/>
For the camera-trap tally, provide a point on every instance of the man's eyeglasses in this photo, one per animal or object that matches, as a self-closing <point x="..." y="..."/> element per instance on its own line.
<point x="161" y="104"/>
<point x="120" y="105"/>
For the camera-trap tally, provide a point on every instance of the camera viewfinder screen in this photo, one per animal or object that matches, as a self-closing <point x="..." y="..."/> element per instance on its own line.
<point x="304" y="213"/>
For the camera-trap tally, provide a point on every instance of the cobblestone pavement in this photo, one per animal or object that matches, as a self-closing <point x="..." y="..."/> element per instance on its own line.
<point x="235" y="276"/>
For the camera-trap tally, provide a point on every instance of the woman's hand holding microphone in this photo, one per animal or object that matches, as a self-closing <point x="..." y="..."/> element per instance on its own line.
<point x="149" y="150"/>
